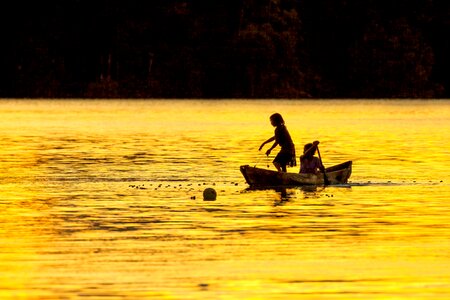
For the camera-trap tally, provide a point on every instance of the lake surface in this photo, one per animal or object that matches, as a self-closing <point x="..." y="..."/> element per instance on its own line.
<point x="103" y="200"/>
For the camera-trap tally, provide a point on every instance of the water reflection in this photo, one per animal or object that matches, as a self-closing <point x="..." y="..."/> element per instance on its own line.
<point x="283" y="195"/>
<point x="105" y="199"/>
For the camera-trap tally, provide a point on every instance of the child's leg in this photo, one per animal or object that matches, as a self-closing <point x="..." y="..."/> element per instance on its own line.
<point x="277" y="165"/>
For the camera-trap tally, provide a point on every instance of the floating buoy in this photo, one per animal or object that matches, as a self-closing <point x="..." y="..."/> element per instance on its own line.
<point x="209" y="194"/>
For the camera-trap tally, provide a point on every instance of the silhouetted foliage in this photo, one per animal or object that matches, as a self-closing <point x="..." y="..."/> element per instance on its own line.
<point x="225" y="49"/>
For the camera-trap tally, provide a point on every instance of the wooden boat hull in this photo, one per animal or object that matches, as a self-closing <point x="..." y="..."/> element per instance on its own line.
<point x="257" y="177"/>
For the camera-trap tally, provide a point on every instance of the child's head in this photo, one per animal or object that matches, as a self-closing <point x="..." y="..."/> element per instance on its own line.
<point x="276" y="119"/>
<point x="309" y="146"/>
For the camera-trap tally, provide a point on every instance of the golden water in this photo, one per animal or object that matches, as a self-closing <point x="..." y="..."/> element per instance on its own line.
<point x="103" y="199"/>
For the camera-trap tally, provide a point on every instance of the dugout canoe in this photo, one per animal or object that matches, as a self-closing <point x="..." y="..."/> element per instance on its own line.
<point x="258" y="177"/>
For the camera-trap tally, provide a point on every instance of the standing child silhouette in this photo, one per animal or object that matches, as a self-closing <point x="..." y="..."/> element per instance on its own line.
<point x="286" y="156"/>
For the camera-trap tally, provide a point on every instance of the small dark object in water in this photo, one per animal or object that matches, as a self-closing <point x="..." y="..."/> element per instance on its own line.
<point x="203" y="286"/>
<point x="209" y="194"/>
<point x="193" y="198"/>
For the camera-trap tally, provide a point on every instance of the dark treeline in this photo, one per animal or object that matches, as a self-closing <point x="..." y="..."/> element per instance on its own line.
<point x="225" y="49"/>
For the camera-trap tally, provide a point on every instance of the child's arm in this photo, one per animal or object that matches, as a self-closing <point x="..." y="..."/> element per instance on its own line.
<point x="271" y="148"/>
<point x="268" y="141"/>
<point x="315" y="143"/>
<point x="321" y="166"/>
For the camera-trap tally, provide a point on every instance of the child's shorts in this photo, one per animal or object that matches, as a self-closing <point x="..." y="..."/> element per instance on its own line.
<point x="283" y="158"/>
